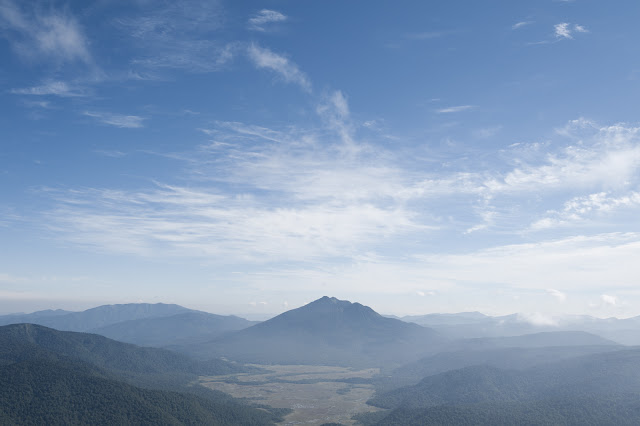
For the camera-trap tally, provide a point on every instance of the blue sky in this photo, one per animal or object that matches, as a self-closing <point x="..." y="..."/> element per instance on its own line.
<point x="249" y="157"/>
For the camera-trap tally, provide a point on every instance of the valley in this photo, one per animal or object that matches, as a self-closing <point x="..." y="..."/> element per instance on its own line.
<point x="315" y="394"/>
<point x="328" y="362"/>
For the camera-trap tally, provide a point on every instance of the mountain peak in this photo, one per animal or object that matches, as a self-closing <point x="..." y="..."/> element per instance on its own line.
<point x="328" y="331"/>
<point x="332" y="305"/>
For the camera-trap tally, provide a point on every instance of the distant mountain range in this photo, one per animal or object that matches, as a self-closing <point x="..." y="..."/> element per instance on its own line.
<point x="139" y="323"/>
<point x="100" y="316"/>
<point x="188" y="327"/>
<point x="327" y="331"/>
<point x="474" y="324"/>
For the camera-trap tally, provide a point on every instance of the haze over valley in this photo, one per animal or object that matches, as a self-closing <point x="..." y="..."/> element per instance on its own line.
<point x="328" y="362"/>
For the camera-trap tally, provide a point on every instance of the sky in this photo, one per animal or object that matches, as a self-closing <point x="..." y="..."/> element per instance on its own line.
<point x="250" y="157"/>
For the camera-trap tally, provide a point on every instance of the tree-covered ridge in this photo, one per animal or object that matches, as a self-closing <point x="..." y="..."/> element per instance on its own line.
<point x="55" y="377"/>
<point x="24" y="341"/>
<point x="564" y="392"/>
<point x="38" y="392"/>
<point x="549" y="412"/>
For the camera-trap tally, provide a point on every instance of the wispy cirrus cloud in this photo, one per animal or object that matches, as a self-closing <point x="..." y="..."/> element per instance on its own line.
<point x="178" y="35"/>
<point x="51" y="88"/>
<point x="117" y="120"/>
<point x="295" y="195"/>
<point x="520" y="24"/>
<point x="37" y="33"/>
<point x="330" y="204"/>
<point x="281" y="65"/>
<point x="453" y="109"/>
<point x="182" y="221"/>
<point x="263" y="20"/>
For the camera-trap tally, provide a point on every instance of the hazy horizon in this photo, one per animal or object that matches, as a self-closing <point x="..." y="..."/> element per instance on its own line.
<point x="250" y="157"/>
<point x="534" y="318"/>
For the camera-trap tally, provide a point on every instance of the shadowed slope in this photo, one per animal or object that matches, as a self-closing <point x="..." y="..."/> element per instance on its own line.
<point x="326" y="331"/>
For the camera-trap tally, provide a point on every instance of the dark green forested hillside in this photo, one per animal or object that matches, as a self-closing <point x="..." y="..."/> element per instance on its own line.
<point x="142" y="365"/>
<point x="43" y="392"/>
<point x="54" y="377"/>
<point x="505" y="358"/>
<point x="595" y="389"/>
<point x="552" y="412"/>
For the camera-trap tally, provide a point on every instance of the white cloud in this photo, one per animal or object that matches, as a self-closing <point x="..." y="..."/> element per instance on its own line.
<point x="520" y="24"/>
<point x="265" y="58"/>
<point x="562" y="30"/>
<point x="453" y="109"/>
<point x="181" y="221"/>
<point x="52" y="88"/>
<point x="538" y="319"/>
<point x="110" y="153"/>
<point x="117" y="120"/>
<point x="565" y="30"/>
<point x="609" y="300"/>
<point x="261" y="20"/>
<point x="335" y="110"/>
<point x="580" y="29"/>
<point x="605" y="157"/>
<point x="363" y="218"/>
<point x="581" y="208"/>
<point x="560" y="296"/>
<point x="55" y="35"/>
<point x="580" y="263"/>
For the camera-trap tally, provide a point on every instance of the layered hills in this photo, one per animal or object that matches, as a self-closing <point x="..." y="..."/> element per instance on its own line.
<point x="138" y="323"/>
<point x="562" y="392"/>
<point x="554" y="375"/>
<point x="466" y="325"/>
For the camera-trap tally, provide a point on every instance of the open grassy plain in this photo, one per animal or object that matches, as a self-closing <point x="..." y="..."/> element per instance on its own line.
<point x="316" y="394"/>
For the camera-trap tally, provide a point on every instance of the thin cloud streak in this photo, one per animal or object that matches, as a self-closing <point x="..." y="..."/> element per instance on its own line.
<point x="289" y="71"/>
<point x="261" y="20"/>
<point x="521" y="24"/>
<point x="117" y="120"/>
<point x="454" y="109"/>
<point x="53" y="88"/>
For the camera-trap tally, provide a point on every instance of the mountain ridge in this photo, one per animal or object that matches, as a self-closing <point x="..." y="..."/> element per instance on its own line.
<point x="329" y="331"/>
